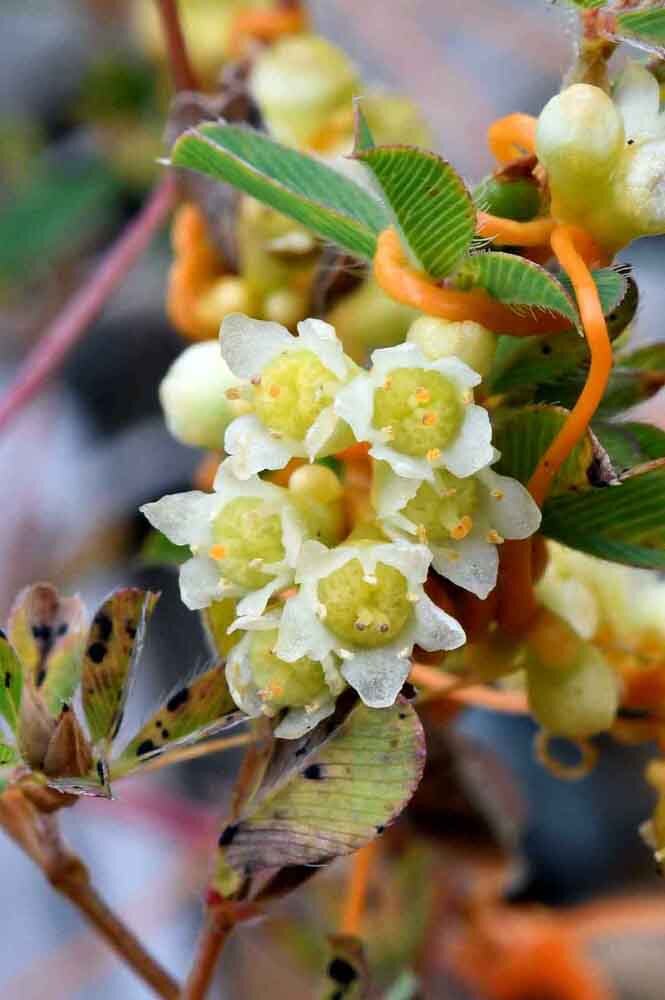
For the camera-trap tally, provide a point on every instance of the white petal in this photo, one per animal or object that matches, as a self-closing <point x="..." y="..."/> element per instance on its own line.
<point x="512" y="511"/>
<point x="403" y="465"/>
<point x="199" y="582"/>
<point x="253" y="449"/>
<point x="387" y="359"/>
<point x="354" y="403"/>
<point x="377" y="675"/>
<point x="458" y="371"/>
<point x="392" y="492"/>
<point x="637" y="96"/>
<point x="436" y="630"/>
<point x="299" y="721"/>
<point x="411" y="560"/>
<point x="301" y="633"/>
<point x="472" y="564"/>
<point x="321" y="339"/>
<point x="239" y="678"/>
<point x="184" y="517"/>
<point x="248" y="345"/>
<point x="472" y="448"/>
<point x="254" y="604"/>
<point x="320" y="432"/>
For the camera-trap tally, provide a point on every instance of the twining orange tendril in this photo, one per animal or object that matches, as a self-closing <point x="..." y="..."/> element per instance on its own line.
<point x="405" y="284"/>
<point x="512" y="136"/>
<point x="265" y="26"/>
<point x="195" y="266"/>
<point x="356" y="894"/>
<point x="475" y="695"/>
<point x="570" y="246"/>
<point x="536" y="233"/>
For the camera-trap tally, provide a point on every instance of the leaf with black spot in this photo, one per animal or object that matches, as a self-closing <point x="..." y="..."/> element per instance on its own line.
<point x="347" y="974"/>
<point x="200" y="708"/>
<point x="11" y="682"/>
<point x="47" y="632"/>
<point x="325" y="794"/>
<point x="113" y="645"/>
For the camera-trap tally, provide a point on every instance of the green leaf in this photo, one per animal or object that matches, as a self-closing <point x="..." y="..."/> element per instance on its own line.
<point x="11" y="682"/>
<point x="8" y="755"/>
<point x="54" y="211"/>
<point x="626" y="388"/>
<point x="200" y="708"/>
<point x="630" y="443"/>
<point x="647" y="359"/>
<point x="363" y="138"/>
<point x="523" y="436"/>
<point x="622" y="523"/>
<point x="295" y="184"/>
<point x="158" y="550"/>
<point x="516" y="199"/>
<point x="644" y="25"/>
<point x="614" y="290"/>
<point x="516" y="281"/>
<point x="113" y="645"/>
<point x="326" y="794"/>
<point x="429" y="201"/>
<point x="47" y="632"/>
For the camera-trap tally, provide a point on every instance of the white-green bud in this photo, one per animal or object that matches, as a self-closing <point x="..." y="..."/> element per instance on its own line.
<point x="580" y="133"/>
<point x="194" y="398"/>
<point x="442" y="338"/>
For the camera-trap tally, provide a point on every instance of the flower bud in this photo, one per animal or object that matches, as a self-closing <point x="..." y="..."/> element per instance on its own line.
<point x="367" y="318"/>
<point x="227" y="295"/>
<point x="298" y="83"/>
<point x="580" y="135"/>
<point x="193" y="396"/>
<point x="441" y="338"/>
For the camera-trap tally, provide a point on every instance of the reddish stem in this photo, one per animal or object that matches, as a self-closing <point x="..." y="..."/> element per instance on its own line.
<point x="58" y="339"/>
<point x="215" y="931"/>
<point x="182" y="72"/>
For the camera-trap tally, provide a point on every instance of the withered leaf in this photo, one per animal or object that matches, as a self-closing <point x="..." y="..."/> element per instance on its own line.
<point x="113" y="646"/>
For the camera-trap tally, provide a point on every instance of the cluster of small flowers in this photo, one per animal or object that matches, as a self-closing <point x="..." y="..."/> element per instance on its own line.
<point x="315" y="607"/>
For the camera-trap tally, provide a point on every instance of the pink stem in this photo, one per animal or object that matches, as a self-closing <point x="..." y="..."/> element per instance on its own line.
<point x="58" y="339"/>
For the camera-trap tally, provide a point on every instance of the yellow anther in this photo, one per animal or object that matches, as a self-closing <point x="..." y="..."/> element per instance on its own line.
<point x="450" y="491"/>
<point x="467" y="396"/>
<point x="255" y="380"/>
<point x="430" y="419"/>
<point x="423" y="395"/>
<point x="388" y="382"/>
<point x="233" y="393"/>
<point x="371" y="579"/>
<point x="421" y="532"/>
<point x="276" y="435"/>
<point x="433" y="455"/>
<point x="344" y="654"/>
<point x="462" y="529"/>
<point x="217" y="552"/>
<point x="274" y="391"/>
<point x="494" y="537"/>
<point x="497" y="494"/>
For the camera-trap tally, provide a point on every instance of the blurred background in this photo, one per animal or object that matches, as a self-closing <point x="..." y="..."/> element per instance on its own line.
<point x="82" y="101"/>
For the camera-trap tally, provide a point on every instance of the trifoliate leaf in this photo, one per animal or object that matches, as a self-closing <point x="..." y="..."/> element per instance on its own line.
<point x="646" y="27"/>
<point x="200" y="708"/>
<point x="523" y="436"/>
<point x="326" y="794"/>
<point x="299" y="186"/>
<point x="47" y="633"/>
<point x="516" y="281"/>
<point x="113" y="646"/>
<point x="429" y="202"/>
<point x="621" y="523"/>
<point x="11" y="682"/>
<point x="630" y="443"/>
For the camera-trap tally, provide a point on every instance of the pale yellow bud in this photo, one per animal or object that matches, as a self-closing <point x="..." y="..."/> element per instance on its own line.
<point x="468" y="341"/>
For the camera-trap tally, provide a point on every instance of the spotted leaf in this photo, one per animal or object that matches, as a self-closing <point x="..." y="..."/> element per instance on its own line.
<point x="347" y="974"/>
<point x="11" y="682"/>
<point x="198" y="709"/>
<point x="113" y="646"/>
<point x="326" y="794"/>
<point x="47" y="631"/>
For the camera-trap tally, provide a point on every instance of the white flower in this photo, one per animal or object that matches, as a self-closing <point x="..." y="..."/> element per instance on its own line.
<point x="636" y="94"/>
<point x="245" y="538"/>
<point x="262" y="684"/>
<point x="461" y="520"/>
<point x="418" y="415"/>
<point x="294" y="380"/>
<point x="364" y="602"/>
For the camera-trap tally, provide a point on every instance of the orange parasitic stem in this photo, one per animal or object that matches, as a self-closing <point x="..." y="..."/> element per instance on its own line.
<point x="356" y="895"/>
<point x="536" y="233"/>
<point x="511" y="137"/>
<point x="405" y="284"/>
<point x="474" y="696"/>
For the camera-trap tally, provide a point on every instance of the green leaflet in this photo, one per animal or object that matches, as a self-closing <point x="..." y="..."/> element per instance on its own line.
<point x="523" y="435"/>
<point x="157" y="549"/>
<point x="625" y="388"/>
<point x="615" y="289"/>
<point x="621" y="523"/>
<point x="363" y="138"/>
<point x="298" y="185"/>
<point x="8" y="755"/>
<point x="429" y="202"/>
<point x="630" y="443"/>
<point x="11" y="682"/>
<point x="647" y="359"/>
<point x="326" y="794"/>
<point x="113" y="645"/>
<point x="198" y="709"/>
<point x="516" y="281"/>
<point x="47" y="632"/>
<point x="644" y="25"/>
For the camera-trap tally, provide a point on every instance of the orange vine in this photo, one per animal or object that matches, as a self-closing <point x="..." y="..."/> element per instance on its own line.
<point x="512" y="136"/>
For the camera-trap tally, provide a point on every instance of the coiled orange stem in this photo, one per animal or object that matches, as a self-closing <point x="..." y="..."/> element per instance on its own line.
<point x="512" y="136"/>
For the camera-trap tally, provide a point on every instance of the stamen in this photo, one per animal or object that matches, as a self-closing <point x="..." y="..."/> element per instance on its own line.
<point x="233" y="393"/>
<point x="431" y="419"/>
<point x="276" y="435"/>
<point x="467" y="396"/>
<point x="497" y="494"/>
<point x="462" y="529"/>
<point x="494" y="537"/>
<point x="274" y="391"/>
<point x="388" y="432"/>
<point x="421" y="532"/>
<point x="423" y="395"/>
<point x="433" y="455"/>
<point x="217" y="552"/>
<point x="256" y="563"/>
<point x="388" y="383"/>
<point x="321" y="611"/>
<point x="371" y="579"/>
<point x="344" y="654"/>
<point x="255" y="380"/>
